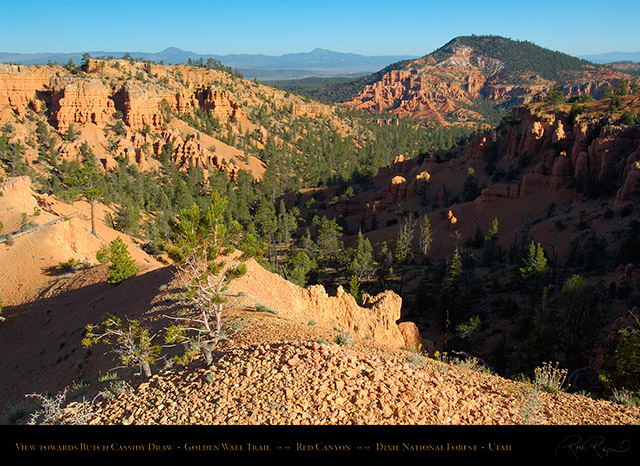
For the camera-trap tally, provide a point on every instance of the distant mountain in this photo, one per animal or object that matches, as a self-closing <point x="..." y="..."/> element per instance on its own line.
<point x="612" y="57"/>
<point x="318" y="62"/>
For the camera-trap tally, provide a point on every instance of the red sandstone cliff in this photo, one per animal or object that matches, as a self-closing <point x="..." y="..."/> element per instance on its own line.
<point x="446" y="85"/>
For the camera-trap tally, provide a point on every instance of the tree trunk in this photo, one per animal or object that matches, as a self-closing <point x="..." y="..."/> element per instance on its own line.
<point x="146" y="368"/>
<point x="93" y="217"/>
<point x="208" y="355"/>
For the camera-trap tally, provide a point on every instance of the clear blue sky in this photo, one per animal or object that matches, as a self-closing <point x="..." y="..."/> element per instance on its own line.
<point x="276" y="27"/>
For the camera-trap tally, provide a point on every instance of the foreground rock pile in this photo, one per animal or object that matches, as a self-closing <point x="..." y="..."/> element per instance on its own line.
<point x="323" y="383"/>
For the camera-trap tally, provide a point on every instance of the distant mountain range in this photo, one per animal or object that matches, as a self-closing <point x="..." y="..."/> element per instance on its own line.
<point x="613" y="57"/>
<point x="319" y="62"/>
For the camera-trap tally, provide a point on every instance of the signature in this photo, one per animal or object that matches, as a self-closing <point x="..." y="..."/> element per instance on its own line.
<point x="595" y="445"/>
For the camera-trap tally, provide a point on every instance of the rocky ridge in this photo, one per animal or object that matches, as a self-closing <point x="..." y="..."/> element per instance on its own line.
<point x="298" y="383"/>
<point x="135" y="110"/>
<point x="448" y="84"/>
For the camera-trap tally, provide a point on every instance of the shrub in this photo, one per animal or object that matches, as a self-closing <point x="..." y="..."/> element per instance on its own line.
<point x="416" y="360"/>
<point x="343" y="338"/>
<point x="263" y="308"/>
<point x="549" y="378"/>
<point x="623" y="397"/>
<point x="102" y="255"/>
<point x="71" y="264"/>
<point x="56" y="410"/>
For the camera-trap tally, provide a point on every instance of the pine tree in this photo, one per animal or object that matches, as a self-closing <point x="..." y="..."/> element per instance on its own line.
<point x="122" y="265"/>
<point x="354" y="289"/>
<point x="535" y="270"/>
<point x="450" y="297"/>
<point x="385" y="261"/>
<point x="362" y="265"/>
<point x="492" y="234"/>
<point x="267" y="223"/>
<point x="426" y="236"/>
<point x="402" y="249"/>
<point x="201" y="246"/>
<point x="328" y="239"/>
<point x="132" y="341"/>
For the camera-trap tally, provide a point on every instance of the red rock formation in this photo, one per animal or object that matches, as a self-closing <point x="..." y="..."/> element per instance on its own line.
<point x="376" y="319"/>
<point x="493" y="193"/>
<point x="76" y="100"/>
<point x="441" y="86"/>
<point x="559" y="149"/>
<point x="140" y="105"/>
<point x="220" y="104"/>
<point x="451" y="219"/>
<point x="19" y="86"/>
<point x="630" y="187"/>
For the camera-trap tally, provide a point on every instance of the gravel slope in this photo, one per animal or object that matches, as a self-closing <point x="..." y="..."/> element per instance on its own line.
<point x="278" y="372"/>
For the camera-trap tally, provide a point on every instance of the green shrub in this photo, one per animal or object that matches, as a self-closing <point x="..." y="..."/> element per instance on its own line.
<point x="343" y="338"/>
<point x="263" y="308"/>
<point x="71" y="264"/>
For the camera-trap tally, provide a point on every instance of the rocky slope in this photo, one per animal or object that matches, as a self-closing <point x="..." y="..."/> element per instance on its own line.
<point x="206" y="118"/>
<point x="298" y="356"/>
<point x="459" y="82"/>
<point x="541" y="158"/>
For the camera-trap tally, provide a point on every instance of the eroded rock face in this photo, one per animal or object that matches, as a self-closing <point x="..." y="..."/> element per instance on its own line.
<point x="559" y="151"/>
<point x="220" y="104"/>
<point x="376" y="319"/>
<point x="80" y="101"/>
<point x="19" y="88"/>
<point x="140" y="105"/>
<point x="443" y="85"/>
<point x="630" y="186"/>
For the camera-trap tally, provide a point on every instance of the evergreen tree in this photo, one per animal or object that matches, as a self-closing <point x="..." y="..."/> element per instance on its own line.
<point x="354" y="289"/>
<point x="286" y="224"/>
<point x="132" y="342"/>
<point x="554" y="95"/>
<point x="450" y="297"/>
<point x="87" y="181"/>
<point x="621" y="366"/>
<point x="201" y="240"/>
<point x="579" y="313"/>
<point x="402" y="249"/>
<point x="361" y="263"/>
<point x="385" y="264"/>
<point x="299" y="268"/>
<point x="534" y="271"/>
<point x="328" y="239"/>
<point x="267" y="224"/>
<point x="122" y="265"/>
<point x="426" y="236"/>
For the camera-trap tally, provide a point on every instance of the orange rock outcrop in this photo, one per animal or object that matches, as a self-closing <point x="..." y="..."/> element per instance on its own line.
<point x="377" y="318"/>
<point x="76" y="100"/>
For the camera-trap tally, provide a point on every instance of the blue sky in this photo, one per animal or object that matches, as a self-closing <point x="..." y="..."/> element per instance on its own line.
<point x="276" y="27"/>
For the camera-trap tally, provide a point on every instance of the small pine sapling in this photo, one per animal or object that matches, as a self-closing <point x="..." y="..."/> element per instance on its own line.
<point x="130" y="341"/>
<point x="122" y="265"/>
<point x="202" y="247"/>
